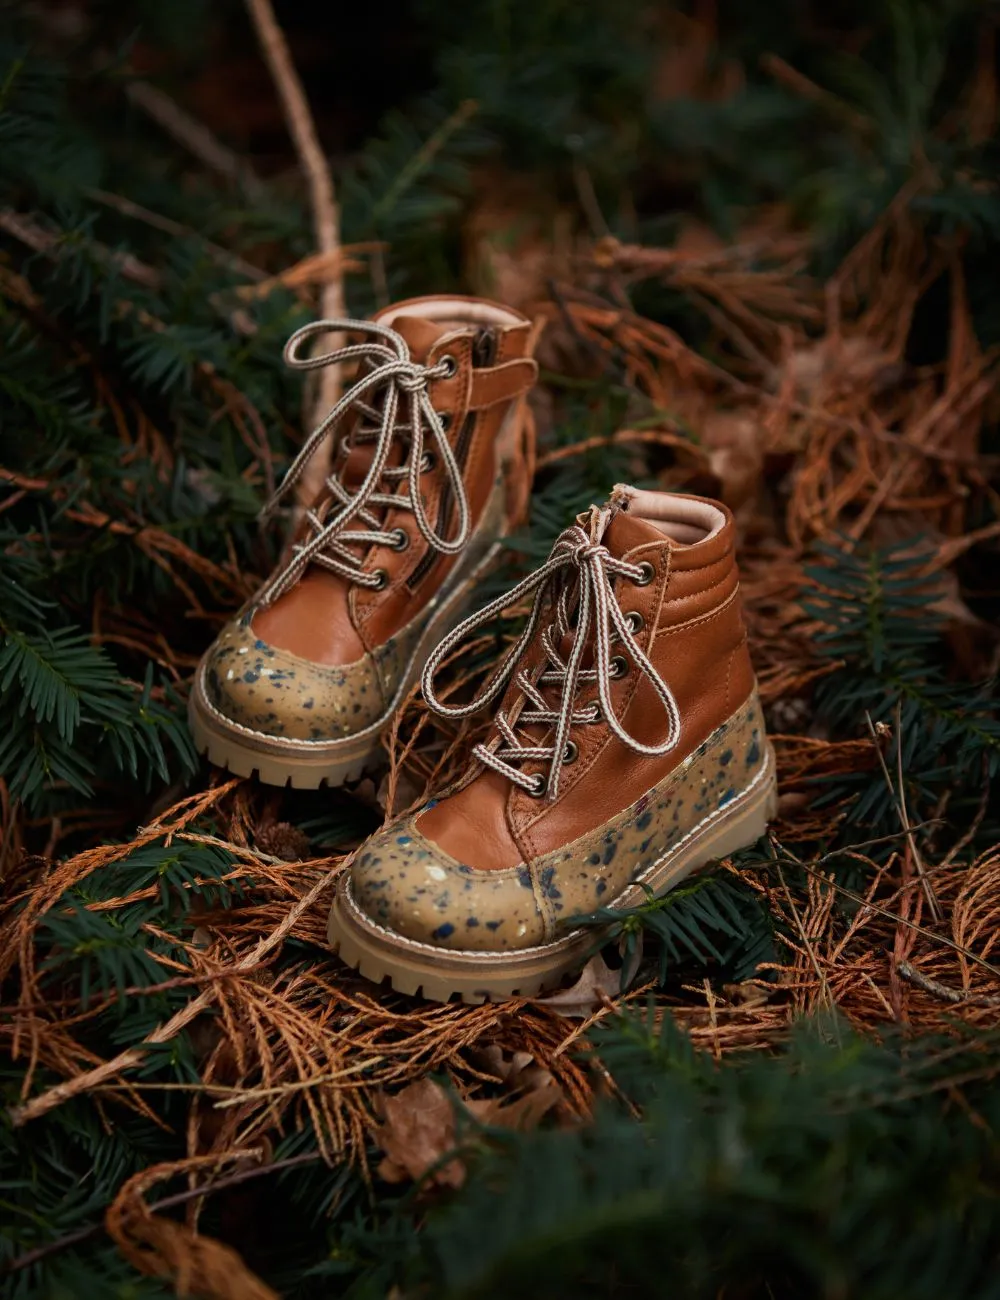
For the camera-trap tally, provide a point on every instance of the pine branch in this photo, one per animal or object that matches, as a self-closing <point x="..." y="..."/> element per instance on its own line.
<point x="50" y="243"/>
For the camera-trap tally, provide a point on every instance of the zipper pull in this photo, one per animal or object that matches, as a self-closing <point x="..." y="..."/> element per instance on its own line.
<point x="484" y="347"/>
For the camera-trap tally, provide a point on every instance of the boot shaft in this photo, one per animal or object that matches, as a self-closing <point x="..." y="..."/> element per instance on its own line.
<point x="688" y="621"/>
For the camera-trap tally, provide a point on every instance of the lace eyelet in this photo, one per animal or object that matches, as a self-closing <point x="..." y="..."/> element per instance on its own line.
<point x="402" y="541"/>
<point x="445" y="417"/>
<point x="596" y="712"/>
<point x="571" y="753"/>
<point x="537" y="788"/>
<point x="381" y="579"/>
<point x="648" y="573"/>
<point x="450" y="364"/>
<point x="635" y="621"/>
<point x="427" y="462"/>
<point x="618" y="668"/>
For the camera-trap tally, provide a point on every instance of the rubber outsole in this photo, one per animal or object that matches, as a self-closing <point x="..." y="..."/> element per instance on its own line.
<point x="447" y="974"/>
<point x="308" y="765"/>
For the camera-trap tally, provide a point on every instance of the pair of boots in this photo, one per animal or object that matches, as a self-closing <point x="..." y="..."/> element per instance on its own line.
<point x="627" y="746"/>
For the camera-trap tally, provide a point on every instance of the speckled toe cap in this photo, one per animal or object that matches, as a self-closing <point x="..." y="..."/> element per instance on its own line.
<point x="410" y="885"/>
<point x="278" y="694"/>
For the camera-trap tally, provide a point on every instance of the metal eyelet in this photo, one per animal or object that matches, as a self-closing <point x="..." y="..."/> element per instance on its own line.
<point x="450" y="364"/>
<point x="619" y="667"/>
<point x="571" y="753"/>
<point x="381" y="579"/>
<point x="537" y="788"/>
<point x="427" y="462"/>
<point x="402" y="541"/>
<point x="597" y="714"/>
<point x="647" y="575"/>
<point x="635" y="621"/>
<point x="445" y="417"/>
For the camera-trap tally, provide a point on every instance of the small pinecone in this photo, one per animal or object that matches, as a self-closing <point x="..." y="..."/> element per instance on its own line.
<point x="285" y="841"/>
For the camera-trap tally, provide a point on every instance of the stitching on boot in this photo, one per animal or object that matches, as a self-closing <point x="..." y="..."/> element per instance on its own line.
<point x="703" y="618"/>
<point x="701" y="591"/>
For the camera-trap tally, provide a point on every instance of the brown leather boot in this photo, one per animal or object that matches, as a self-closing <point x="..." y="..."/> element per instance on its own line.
<point x="628" y="750"/>
<point x="432" y="468"/>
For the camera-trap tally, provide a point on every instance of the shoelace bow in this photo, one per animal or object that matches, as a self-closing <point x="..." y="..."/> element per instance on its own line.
<point x="576" y="580"/>
<point x="391" y="369"/>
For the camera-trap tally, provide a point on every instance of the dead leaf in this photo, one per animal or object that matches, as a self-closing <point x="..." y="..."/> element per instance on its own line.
<point x="519" y="1071"/>
<point x="366" y="792"/>
<point x="734" y="441"/>
<point x="408" y="791"/>
<point x="418" y="1129"/>
<point x="494" y="1060"/>
<point x="520" y="1114"/>
<point x="595" y="986"/>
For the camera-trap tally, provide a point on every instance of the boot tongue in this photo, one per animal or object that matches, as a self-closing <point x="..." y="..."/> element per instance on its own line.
<point x="619" y="530"/>
<point x="625" y="532"/>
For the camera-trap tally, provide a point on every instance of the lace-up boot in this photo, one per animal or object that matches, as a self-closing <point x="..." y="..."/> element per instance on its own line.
<point x="627" y="749"/>
<point x="432" y="457"/>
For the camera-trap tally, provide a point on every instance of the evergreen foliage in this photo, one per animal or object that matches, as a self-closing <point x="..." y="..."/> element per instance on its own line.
<point x="878" y="624"/>
<point x="773" y="1178"/>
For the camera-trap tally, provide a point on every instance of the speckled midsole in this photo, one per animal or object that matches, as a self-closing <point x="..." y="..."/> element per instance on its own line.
<point x="440" y="974"/>
<point x="308" y="763"/>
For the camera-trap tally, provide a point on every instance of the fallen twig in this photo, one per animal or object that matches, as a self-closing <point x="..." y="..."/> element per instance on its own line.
<point x="943" y="991"/>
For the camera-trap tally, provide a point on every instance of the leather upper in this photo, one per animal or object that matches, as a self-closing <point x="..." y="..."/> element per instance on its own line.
<point x="695" y="637"/>
<point x="327" y="619"/>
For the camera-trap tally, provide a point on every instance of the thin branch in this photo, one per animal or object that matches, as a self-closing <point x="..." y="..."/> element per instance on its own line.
<point x="422" y="159"/>
<point x="326" y="219"/>
<point x="944" y="991"/>
<point x="129" y="208"/>
<point x="52" y="244"/>
<point x="899" y="801"/>
<point x="194" y="136"/>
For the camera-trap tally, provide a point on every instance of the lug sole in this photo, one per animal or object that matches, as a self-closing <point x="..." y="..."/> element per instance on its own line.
<point x="446" y="974"/>
<point x="308" y="765"/>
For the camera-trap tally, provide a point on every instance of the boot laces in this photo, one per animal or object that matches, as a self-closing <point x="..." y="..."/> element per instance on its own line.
<point x="575" y="590"/>
<point x="351" y="517"/>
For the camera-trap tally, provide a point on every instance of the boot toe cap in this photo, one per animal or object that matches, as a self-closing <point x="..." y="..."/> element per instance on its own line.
<point x="270" y="691"/>
<point x="409" y="885"/>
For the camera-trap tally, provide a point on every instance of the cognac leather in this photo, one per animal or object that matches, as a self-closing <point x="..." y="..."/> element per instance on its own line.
<point x="693" y="633"/>
<point x="326" y="619"/>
